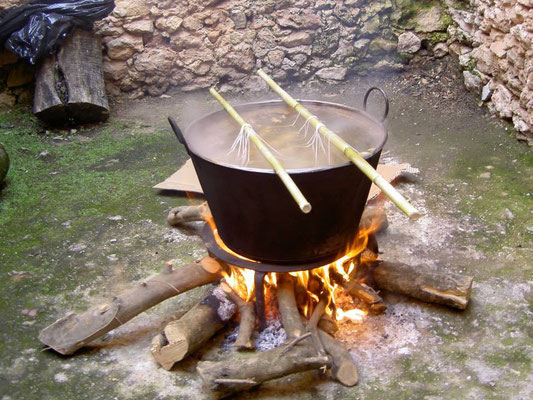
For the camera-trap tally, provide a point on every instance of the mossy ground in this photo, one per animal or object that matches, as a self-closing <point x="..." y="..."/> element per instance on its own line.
<point x="64" y="248"/>
<point x="61" y="238"/>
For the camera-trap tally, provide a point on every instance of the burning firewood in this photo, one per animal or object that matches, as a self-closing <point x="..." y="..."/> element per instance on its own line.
<point x="367" y="295"/>
<point x="179" y="215"/>
<point x="74" y="331"/>
<point x="449" y="289"/>
<point x="298" y="354"/>
<point x="184" y="336"/>
<point x="247" y="324"/>
<point x="328" y="325"/>
<point x="224" y="378"/>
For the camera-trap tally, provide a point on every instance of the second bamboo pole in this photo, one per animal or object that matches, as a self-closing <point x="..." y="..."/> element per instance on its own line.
<point x="346" y="149"/>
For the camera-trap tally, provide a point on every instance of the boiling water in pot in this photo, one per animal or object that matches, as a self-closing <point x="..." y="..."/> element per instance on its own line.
<point x="294" y="141"/>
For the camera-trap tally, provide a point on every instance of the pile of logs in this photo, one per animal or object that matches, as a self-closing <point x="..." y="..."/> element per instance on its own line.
<point x="310" y="344"/>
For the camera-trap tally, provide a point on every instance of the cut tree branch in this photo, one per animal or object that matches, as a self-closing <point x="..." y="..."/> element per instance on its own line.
<point x="184" y="336"/>
<point x="224" y="378"/>
<point x="442" y="288"/>
<point x="74" y="331"/>
<point x="366" y="294"/>
<point x="328" y="325"/>
<point x="179" y="215"/>
<point x="245" y="339"/>
<point x="312" y="324"/>
<point x="290" y="317"/>
<point x="343" y="368"/>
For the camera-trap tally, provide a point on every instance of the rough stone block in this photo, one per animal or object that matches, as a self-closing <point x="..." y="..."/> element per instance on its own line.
<point x="332" y="73"/>
<point x="296" y="39"/>
<point x="409" y="43"/>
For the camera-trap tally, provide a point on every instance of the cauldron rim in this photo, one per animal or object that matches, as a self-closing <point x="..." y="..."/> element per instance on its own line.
<point x="377" y="149"/>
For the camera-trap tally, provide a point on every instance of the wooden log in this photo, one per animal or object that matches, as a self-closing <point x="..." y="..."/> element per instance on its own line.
<point x="224" y="378"/>
<point x="312" y="324"/>
<point x="179" y="215"/>
<point x="245" y="339"/>
<point x="290" y="317"/>
<point x="442" y="288"/>
<point x="69" y="86"/>
<point x="343" y="368"/>
<point x="184" y="336"/>
<point x="328" y="325"/>
<point x="74" y="331"/>
<point x="367" y="295"/>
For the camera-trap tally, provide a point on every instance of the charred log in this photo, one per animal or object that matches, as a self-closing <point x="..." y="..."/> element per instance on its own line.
<point x="367" y="295"/>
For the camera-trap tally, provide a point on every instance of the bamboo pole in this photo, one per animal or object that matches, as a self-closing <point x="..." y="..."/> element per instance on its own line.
<point x="258" y="142"/>
<point x="346" y="149"/>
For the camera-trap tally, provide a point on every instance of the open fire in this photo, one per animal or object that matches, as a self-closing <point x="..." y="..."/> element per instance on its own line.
<point x="324" y="282"/>
<point x="309" y="303"/>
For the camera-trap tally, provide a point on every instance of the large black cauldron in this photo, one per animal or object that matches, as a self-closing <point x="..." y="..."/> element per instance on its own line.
<point x="255" y="215"/>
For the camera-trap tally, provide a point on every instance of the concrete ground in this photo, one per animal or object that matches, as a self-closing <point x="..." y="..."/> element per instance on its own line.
<point x="79" y="222"/>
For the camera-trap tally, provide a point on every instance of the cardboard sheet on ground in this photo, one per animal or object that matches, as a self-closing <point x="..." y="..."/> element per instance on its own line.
<point x="186" y="180"/>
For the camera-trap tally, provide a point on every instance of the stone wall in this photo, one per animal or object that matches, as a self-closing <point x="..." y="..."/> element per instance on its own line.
<point x="153" y="45"/>
<point x="150" y="46"/>
<point x="494" y="43"/>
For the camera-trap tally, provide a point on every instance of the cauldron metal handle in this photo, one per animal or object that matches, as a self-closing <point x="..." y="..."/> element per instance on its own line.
<point x="177" y="132"/>
<point x="386" y="112"/>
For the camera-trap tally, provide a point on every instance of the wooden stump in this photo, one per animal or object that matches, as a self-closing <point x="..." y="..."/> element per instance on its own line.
<point x="69" y="86"/>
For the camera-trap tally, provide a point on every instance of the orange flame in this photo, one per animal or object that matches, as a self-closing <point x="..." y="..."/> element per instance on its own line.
<point x="315" y="281"/>
<point x="241" y="280"/>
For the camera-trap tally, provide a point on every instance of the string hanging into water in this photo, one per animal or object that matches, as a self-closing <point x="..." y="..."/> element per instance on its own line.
<point x="262" y="146"/>
<point x="315" y="142"/>
<point x="352" y="154"/>
<point x="242" y="145"/>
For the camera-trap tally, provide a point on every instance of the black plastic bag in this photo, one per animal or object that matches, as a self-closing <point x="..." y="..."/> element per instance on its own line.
<point x="36" y="29"/>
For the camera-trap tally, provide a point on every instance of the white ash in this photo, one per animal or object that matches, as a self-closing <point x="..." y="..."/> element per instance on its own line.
<point x="381" y="339"/>
<point x="434" y="233"/>
<point x="174" y="235"/>
<point x="60" y="377"/>
<point x="271" y="337"/>
<point x="226" y="308"/>
<point x="127" y="361"/>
